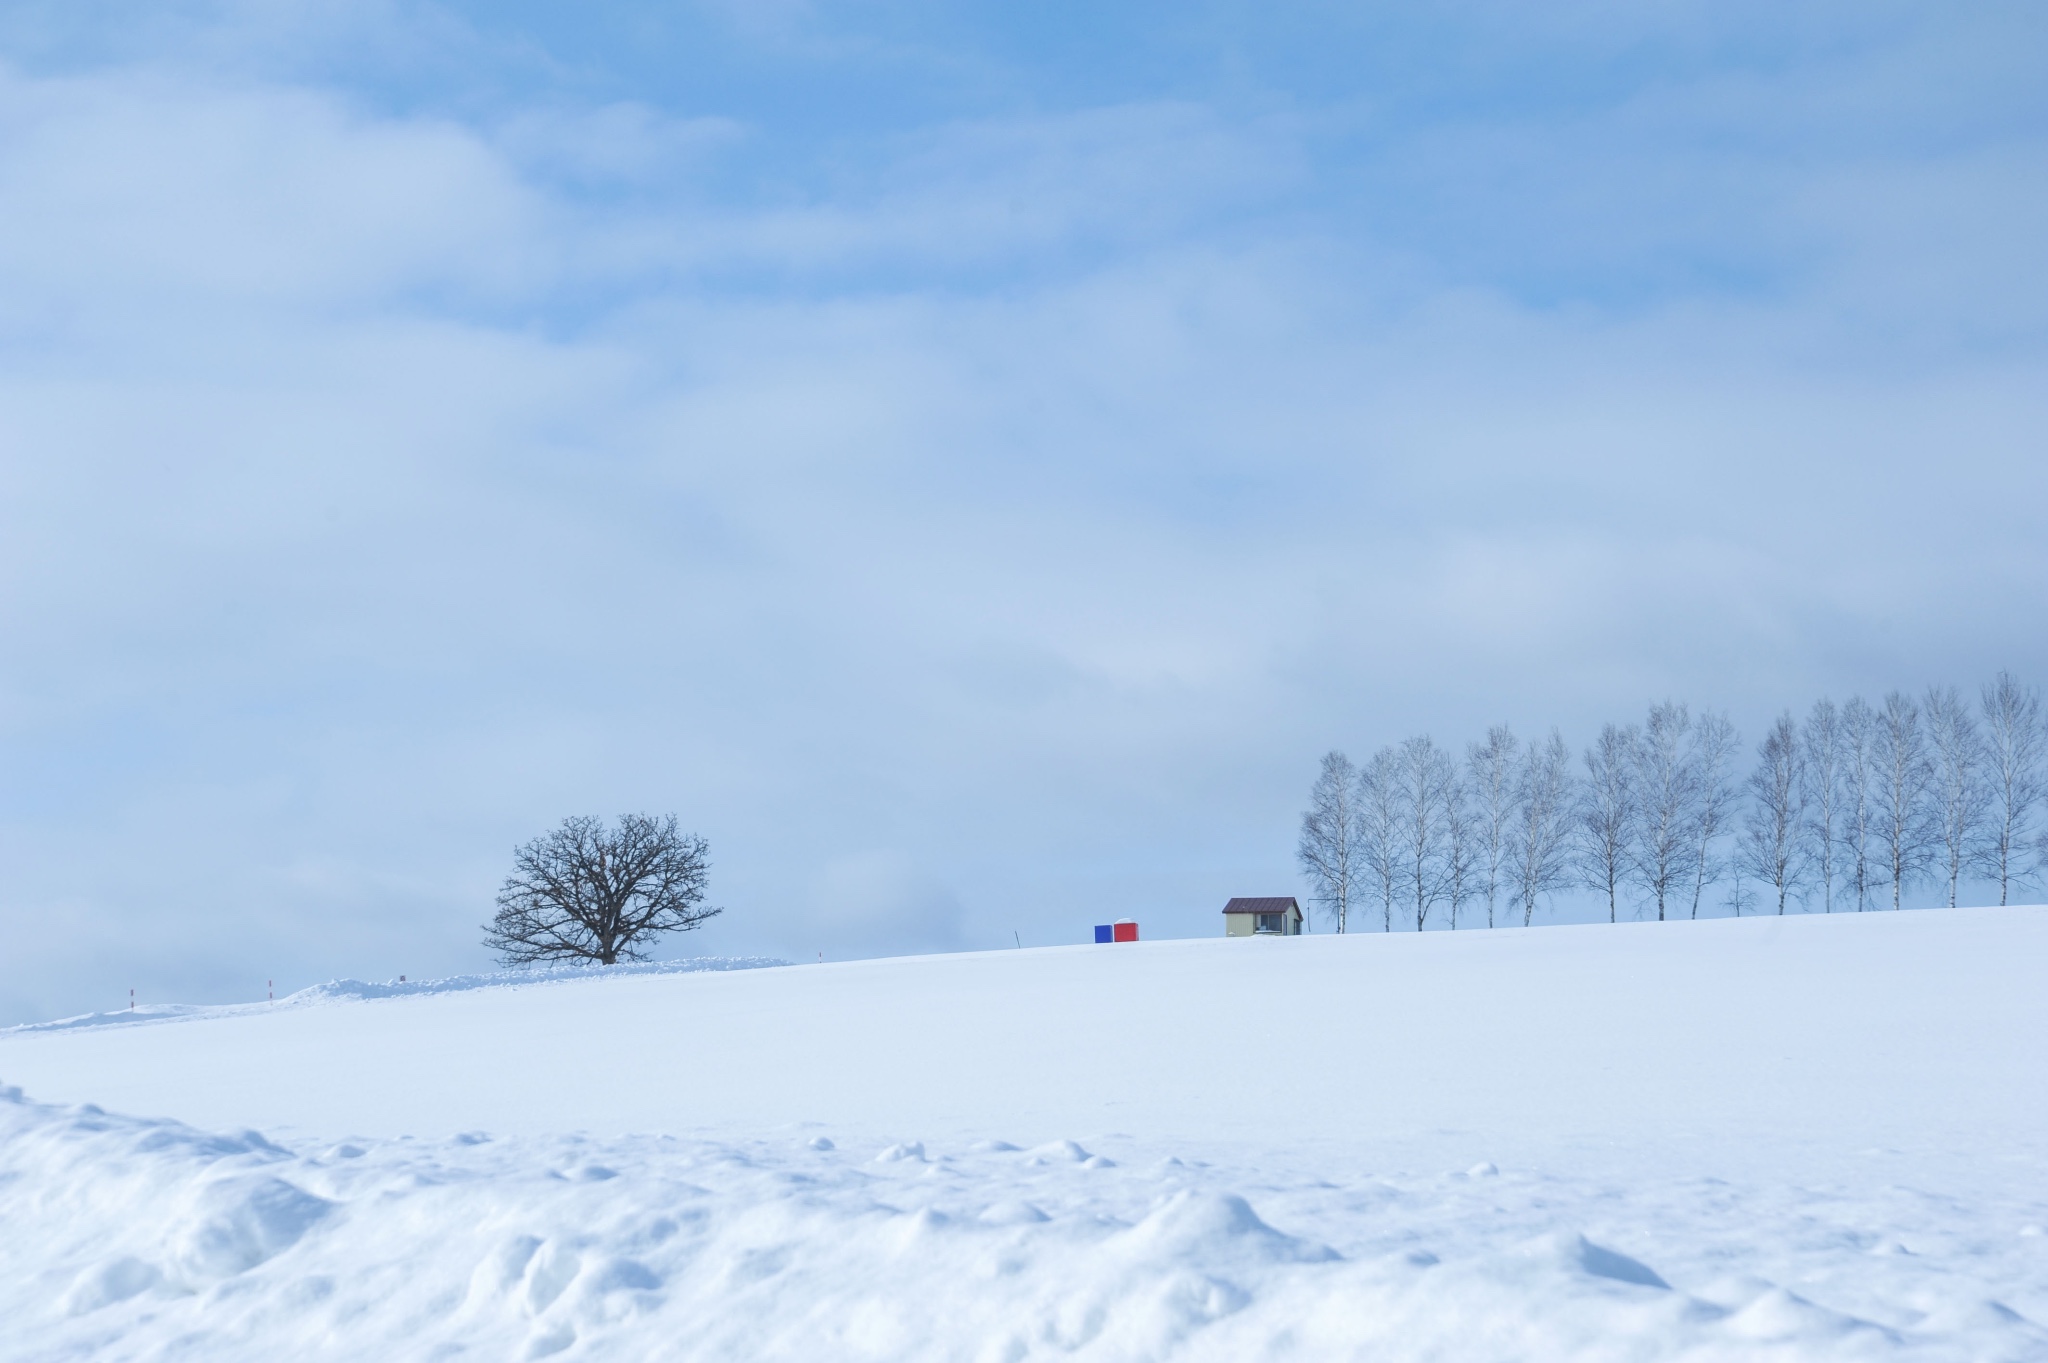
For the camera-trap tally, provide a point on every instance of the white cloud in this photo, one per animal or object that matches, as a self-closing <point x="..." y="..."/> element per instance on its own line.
<point x="155" y="196"/>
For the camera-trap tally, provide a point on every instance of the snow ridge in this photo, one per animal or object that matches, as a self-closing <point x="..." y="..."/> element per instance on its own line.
<point x="340" y="991"/>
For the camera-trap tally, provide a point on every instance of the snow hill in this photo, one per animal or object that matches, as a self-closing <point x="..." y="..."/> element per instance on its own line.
<point x="1803" y="1138"/>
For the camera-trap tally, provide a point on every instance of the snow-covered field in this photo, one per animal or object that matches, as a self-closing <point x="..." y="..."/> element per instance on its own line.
<point x="1760" y="1139"/>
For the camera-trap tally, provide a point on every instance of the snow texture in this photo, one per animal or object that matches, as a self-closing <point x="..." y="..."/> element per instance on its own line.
<point x="1769" y="1140"/>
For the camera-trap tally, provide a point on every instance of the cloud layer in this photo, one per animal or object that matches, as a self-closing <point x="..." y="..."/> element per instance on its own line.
<point x="975" y="511"/>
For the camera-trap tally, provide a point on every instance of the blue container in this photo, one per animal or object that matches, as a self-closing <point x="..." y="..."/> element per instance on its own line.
<point x="1104" y="932"/>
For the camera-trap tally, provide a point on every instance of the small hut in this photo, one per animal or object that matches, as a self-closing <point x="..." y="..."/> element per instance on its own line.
<point x="1262" y="918"/>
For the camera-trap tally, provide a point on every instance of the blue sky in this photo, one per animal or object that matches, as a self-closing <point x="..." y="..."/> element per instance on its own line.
<point x="968" y="461"/>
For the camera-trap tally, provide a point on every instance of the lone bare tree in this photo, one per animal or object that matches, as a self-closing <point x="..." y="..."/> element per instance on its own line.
<point x="1777" y="793"/>
<point x="1490" y="778"/>
<point x="588" y="893"/>
<point x="1607" y="812"/>
<point x="1329" y="839"/>
<point x="1959" y="796"/>
<point x="1540" y="838"/>
<point x="2013" y="770"/>
<point x="1904" y="777"/>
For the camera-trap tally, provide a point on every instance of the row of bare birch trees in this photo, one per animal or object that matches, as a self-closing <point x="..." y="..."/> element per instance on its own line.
<point x="1851" y="806"/>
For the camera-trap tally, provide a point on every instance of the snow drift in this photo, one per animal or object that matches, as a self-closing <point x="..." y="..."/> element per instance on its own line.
<point x="334" y="990"/>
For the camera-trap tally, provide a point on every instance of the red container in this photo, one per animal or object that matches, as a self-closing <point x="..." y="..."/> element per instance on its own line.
<point x="1127" y="930"/>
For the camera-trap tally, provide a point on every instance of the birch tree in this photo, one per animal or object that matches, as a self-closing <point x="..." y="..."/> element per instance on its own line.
<point x="1540" y="841"/>
<point x="1329" y="839"/>
<point x="2013" y="771"/>
<point x="1821" y="738"/>
<point x="1607" y="813"/>
<point x="1771" y="835"/>
<point x="1959" y="797"/>
<point x="1903" y="825"/>
<point x="1490" y="772"/>
<point x="1714" y="744"/>
<point x="1740" y="895"/>
<point x="1859" y="797"/>
<point x="1460" y="850"/>
<point x="1426" y="776"/>
<point x="1379" y="828"/>
<point x="1666" y="790"/>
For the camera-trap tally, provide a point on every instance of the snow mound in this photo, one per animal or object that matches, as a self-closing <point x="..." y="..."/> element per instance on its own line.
<point x="129" y="1237"/>
<point x="1577" y="1252"/>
